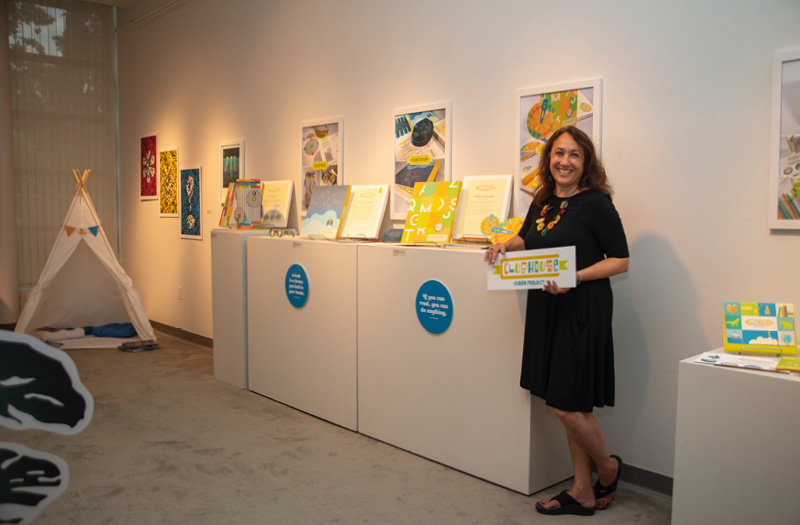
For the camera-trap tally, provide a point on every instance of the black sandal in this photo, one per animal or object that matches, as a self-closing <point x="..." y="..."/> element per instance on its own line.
<point x="600" y="491"/>
<point x="568" y="505"/>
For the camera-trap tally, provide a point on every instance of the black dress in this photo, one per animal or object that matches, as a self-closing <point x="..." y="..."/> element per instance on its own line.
<point x="568" y="354"/>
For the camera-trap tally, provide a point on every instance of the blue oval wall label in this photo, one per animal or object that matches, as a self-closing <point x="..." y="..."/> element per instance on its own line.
<point x="434" y="307"/>
<point x="297" y="285"/>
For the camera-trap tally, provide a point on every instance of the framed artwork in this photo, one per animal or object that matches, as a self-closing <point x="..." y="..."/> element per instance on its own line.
<point x="540" y="112"/>
<point x="421" y="151"/>
<point x="321" y="164"/>
<point x="168" y="182"/>
<point x="190" y="204"/>
<point x="784" y="173"/>
<point x="231" y="165"/>
<point x="148" y="168"/>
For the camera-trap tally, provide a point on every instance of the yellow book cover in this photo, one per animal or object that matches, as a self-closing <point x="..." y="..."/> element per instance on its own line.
<point x="432" y="213"/>
<point x="791" y="364"/>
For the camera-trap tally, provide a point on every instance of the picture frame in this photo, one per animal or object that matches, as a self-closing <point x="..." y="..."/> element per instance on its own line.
<point x="168" y="181"/>
<point x="532" y="127"/>
<point x="231" y="164"/>
<point x="191" y="203"/>
<point x="784" y="172"/>
<point x="321" y="157"/>
<point x="494" y="199"/>
<point x="148" y="167"/>
<point x="422" y="151"/>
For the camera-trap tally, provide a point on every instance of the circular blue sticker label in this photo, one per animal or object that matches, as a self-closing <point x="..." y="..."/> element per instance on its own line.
<point x="434" y="307"/>
<point x="296" y="285"/>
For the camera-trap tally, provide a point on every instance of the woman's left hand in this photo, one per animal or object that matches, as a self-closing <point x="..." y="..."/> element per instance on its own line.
<point x="553" y="288"/>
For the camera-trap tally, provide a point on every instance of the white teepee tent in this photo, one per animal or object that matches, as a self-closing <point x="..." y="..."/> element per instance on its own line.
<point x="82" y="283"/>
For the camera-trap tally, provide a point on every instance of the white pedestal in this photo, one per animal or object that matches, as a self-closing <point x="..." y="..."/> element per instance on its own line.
<point x="304" y="357"/>
<point x="452" y="397"/>
<point x="736" y="450"/>
<point x="229" y="302"/>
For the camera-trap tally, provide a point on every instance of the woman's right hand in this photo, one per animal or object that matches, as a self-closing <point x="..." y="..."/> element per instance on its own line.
<point x="493" y="251"/>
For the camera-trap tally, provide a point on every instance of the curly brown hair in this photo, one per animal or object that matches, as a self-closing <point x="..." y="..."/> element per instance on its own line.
<point x="594" y="174"/>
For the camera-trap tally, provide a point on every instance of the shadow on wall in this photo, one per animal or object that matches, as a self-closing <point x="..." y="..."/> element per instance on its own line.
<point x="655" y="326"/>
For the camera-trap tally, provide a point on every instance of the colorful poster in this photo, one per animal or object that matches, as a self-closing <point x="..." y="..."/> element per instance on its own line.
<point x="324" y="215"/>
<point x="529" y="269"/>
<point x="321" y="164"/>
<point x="168" y="182"/>
<point x="432" y="212"/>
<point x="148" y="183"/>
<point x="421" y="151"/>
<point x="190" y="204"/>
<point x="542" y="111"/>
<point x="231" y="165"/>
<point x="785" y="169"/>
<point x="759" y="327"/>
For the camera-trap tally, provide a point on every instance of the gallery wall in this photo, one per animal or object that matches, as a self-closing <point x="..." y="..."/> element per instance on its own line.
<point x="685" y="137"/>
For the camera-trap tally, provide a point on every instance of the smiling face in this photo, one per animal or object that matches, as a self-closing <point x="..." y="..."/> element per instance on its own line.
<point x="566" y="165"/>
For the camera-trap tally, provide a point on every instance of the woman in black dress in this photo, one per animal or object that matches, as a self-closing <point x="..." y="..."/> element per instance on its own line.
<point x="568" y="354"/>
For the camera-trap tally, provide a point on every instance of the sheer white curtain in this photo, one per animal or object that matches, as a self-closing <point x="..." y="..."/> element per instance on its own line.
<point x="64" y="117"/>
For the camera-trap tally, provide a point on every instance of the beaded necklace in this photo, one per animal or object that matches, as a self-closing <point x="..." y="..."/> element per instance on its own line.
<point x="543" y="218"/>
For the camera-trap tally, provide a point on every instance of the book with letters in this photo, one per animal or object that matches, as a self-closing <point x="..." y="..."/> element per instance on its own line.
<point x="432" y="212"/>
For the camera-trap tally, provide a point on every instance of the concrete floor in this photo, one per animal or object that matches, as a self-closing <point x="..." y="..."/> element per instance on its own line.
<point x="170" y="444"/>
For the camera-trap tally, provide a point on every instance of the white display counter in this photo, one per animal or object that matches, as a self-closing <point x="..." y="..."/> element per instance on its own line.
<point x="229" y="303"/>
<point x="304" y="357"/>
<point x="452" y="397"/>
<point x="736" y="446"/>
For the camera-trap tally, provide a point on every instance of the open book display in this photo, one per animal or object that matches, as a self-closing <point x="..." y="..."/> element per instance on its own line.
<point x="276" y="200"/>
<point x="759" y="328"/>
<point x="480" y="197"/>
<point x="432" y="213"/>
<point x="365" y="212"/>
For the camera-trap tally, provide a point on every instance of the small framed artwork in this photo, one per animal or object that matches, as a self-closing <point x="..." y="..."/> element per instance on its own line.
<point x="321" y="155"/>
<point x="190" y="204"/>
<point x="421" y="151"/>
<point x="540" y="112"/>
<point x="784" y="174"/>
<point x="168" y="182"/>
<point x="231" y="165"/>
<point x="148" y="168"/>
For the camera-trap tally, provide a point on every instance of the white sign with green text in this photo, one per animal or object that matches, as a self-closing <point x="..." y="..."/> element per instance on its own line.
<point x="530" y="269"/>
